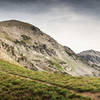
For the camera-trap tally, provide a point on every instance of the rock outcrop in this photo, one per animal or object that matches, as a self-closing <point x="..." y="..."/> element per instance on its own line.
<point x="92" y="57"/>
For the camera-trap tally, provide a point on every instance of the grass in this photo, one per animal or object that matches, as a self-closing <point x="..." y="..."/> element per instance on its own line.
<point x="56" y="65"/>
<point x="14" y="88"/>
<point x="14" y="85"/>
<point x="25" y="37"/>
<point x="82" y="84"/>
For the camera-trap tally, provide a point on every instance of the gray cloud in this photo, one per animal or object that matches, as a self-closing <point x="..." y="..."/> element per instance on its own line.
<point x="87" y="7"/>
<point x="71" y="22"/>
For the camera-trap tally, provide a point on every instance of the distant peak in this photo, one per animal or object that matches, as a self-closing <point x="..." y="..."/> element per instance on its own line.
<point x="12" y="21"/>
<point x="17" y="23"/>
<point x="91" y="51"/>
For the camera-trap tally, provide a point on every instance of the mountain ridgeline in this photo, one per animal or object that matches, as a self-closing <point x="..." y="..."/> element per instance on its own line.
<point x="92" y="57"/>
<point x="26" y="45"/>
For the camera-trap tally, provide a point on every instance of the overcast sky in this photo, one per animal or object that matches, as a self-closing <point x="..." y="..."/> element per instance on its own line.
<point x="73" y="23"/>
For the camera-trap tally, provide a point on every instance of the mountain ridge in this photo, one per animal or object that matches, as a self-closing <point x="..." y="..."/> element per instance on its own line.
<point x="92" y="57"/>
<point x="33" y="49"/>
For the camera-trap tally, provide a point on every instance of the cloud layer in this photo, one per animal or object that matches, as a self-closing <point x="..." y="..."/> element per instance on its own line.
<point x="74" y="23"/>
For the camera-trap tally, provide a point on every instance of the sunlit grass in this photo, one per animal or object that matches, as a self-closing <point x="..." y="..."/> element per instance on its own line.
<point x="81" y="84"/>
<point x="15" y="88"/>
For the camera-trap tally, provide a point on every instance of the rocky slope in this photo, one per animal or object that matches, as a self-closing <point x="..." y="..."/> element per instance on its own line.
<point x="92" y="57"/>
<point x="29" y="46"/>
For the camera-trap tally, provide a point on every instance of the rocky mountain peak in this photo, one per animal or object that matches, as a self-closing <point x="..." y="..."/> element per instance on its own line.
<point x="91" y="56"/>
<point x="19" y="25"/>
<point x="35" y="50"/>
<point x="90" y="52"/>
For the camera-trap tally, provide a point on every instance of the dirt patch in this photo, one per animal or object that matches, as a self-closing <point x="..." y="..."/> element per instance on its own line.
<point x="95" y="96"/>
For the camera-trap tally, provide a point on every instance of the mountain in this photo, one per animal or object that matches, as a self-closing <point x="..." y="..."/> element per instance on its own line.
<point x="28" y="46"/>
<point x="92" y="57"/>
<point x="33" y="66"/>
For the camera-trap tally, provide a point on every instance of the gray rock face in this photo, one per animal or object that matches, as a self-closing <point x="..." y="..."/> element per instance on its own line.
<point x="29" y="46"/>
<point x="92" y="57"/>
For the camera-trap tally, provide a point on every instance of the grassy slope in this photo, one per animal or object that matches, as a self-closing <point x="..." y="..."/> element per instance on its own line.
<point x="3" y="55"/>
<point x="12" y="86"/>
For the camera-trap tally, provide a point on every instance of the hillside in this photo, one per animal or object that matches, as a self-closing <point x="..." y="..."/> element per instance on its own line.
<point x="92" y="57"/>
<point x="33" y="66"/>
<point x="19" y="83"/>
<point x="30" y="47"/>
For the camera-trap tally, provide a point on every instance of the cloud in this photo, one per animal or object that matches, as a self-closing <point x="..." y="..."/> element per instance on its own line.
<point x="89" y="7"/>
<point x="74" y="23"/>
